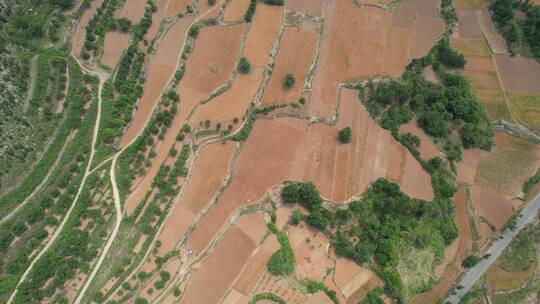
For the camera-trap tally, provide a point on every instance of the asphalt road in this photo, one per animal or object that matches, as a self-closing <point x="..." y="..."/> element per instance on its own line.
<point x="473" y="274"/>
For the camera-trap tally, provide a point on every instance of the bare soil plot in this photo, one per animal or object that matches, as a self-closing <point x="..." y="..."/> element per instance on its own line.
<point x="235" y="10"/>
<point x="113" y="47"/>
<point x="234" y="297"/>
<point x="468" y="25"/>
<point x="280" y="287"/>
<point x="427" y="149"/>
<point x="132" y="10"/>
<point x="343" y="170"/>
<point x="176" y="6"/>
<point x="519" y="74"/>
<point x="482" y="79"/>
<point x="469" y="4"/>
<point x="231" y="104"/>
<point x="310" y="7"/>
<point x="464" y="243"/>
<point x="495" y="207"/>
<point x="209" y="66"/>
<point x="297" y="48"/>
<point x="468" y="166"/>
<point x="220" y="268"/>
<point x="319" y="298"/>
<point x="426" y="31"/>
<point x="77" y="41"/>
<point x="499" y="279"/>
<point x="350" y="278"/>
<point x="207" y="176"/>
<point x="160" y="71"/>
<point x="517" y="158"/>
<point x="403" y="15"/>
<point x="397" y="52"/>
<point x="479" y="64"/>
<point x="264" y="28"/>
<point x="310" y="247"/>
<point x="264" y="161"/>
<point x="526" y="109"/>
<point x="496" y="41"/>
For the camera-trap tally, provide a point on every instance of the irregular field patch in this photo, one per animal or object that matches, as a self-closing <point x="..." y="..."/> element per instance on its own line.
<point x="526" y="109"/>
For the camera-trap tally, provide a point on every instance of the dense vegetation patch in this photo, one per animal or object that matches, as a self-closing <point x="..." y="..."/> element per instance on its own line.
<point x="521" y="31"/>
<point x="379" y="226"/>
<point x="282" y="262"/>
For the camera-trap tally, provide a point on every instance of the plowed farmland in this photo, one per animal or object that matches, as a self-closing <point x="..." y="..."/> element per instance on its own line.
<point x="269" y="151"/>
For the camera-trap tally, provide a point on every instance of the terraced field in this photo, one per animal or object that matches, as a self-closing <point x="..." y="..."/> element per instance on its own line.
<point x="259" y="151"/>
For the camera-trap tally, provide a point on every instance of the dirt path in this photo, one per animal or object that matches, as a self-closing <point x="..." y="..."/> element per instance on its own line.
<point x="102" y="77"/>
<point x="41" y="184"/>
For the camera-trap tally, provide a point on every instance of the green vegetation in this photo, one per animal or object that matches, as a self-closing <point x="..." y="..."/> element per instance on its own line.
<point x="521" y="254"/>
<point x="282" y="262"/>
<point x="267" y="296"/>
<point x="289" y="81"/>
<point x="274" y="2"/>
<point x="530" y="183"/>
<point x="373" y="297"/>
<point x="250" y="11"/>
<point x="381" y="225"/>
<point x="345" y="135"/>
<point x="244" y="66"/>
<point x="314" y="287"/>
<point x="436" y="105"/>
<point x="102" y="21"/>
<point x="521" y="31"/>
<point x="470" y="261"/>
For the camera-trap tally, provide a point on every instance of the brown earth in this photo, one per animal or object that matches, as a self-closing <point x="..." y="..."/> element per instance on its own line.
<point x="235" y="10"/>
<point x="297" y="48"/>
<point x="475" y="47"/>
<point x="220" y="268"/>
<point x="495" y="207"/>
<point x="132" y="10"/>
<point x="519" y="74"/>
<point x="264" y="28"/>
<point x="208" y="66"/>
<point x="157" y="17"/>
<point x="479" y="64"/>
<point x="352" y="34"/>
<point x="310" y="7"/>
<point x="77" y="41"/>
<point x="319" y="298"/>
<point x="469" y="27"/>
<point x="310" y="247"/>
<point x="280" y="287"/>
<point x="231" y="104"/>
<point x="482" y="79"/>
<point x="176" y="6"/>
<point x="208" y="173"/>
<point x="113" y="47"/>
<point x="160" y="71"/>
<point x="342" y="170"/>
<point x="264" y="161"/>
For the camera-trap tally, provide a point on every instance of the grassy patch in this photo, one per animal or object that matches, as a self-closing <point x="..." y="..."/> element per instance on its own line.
<point x="526" y="109"/>
<point x="415" y="268"/>
<point x="520" y="255"/>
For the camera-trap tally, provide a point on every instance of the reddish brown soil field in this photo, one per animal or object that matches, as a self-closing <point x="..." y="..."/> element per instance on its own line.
<point x="132" y="10"/>
<point x="467" y="167"/>
<point x="468" y="25"/>
<point x="519" y="74"/>
<point x="208" y="172"/>
<point x="264" y="162"/>
<point x="319" y="298"/>
<point x="235" y="10"/>
<point x="113" y="47"/>
<point x="495" y="207"/>
<point x="403" y="15"/>
<point x="280" y="287"/>
<point x="295" y="56"/>
<point x="310" y="247"/>
<point x="264" y="28"/>
<point x="426" y="31"/>
<point x="310" y="7"/>
<point x="161" y="70"/>
<point x="176" y="6"/>
<point x="231" y="104"/>
<point x="77" y="41"/>
<point x="483" y="80"/>
<point x="479" y="64"/>
<point x="209" y="66"/>
<point x="397" y="52"/>
<point x="427" y="149"/>
<point x="464" y="243"/>
<point x="219" y="270"/>
<point x="343" y="170"/>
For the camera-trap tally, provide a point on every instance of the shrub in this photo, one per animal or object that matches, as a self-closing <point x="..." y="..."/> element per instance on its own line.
<point x="289" y="81"/>
<point x="244" y="66"/>
<point x="470" y="261"/>
<point x="194" y="30"/>
<point x="250" y="11"/>
<point x="345" y="135"/>
<point x="296" y="217"/>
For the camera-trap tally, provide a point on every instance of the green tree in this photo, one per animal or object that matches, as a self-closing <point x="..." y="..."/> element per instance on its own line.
<point x="345" y="135"/>
<point x="244" y="66"/>
<point x="289" y="81"/>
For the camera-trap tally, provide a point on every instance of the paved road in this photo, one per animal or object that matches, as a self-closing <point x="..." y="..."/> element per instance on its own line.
<point x="473" y="274"/>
